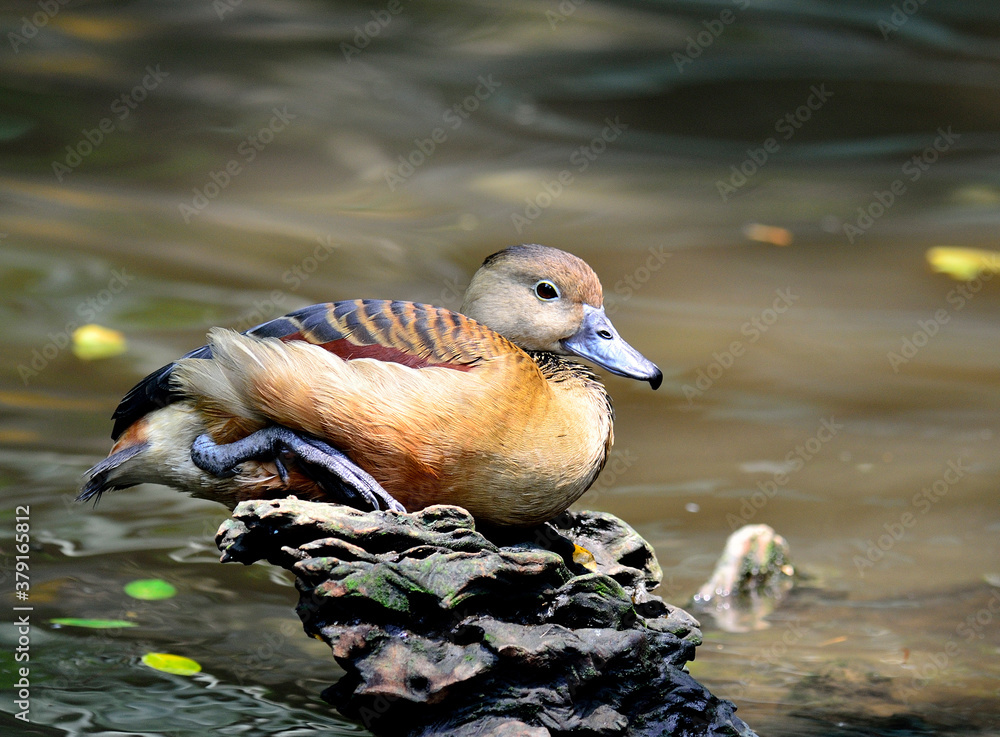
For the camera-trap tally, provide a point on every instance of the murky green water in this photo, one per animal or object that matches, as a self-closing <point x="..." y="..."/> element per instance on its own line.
<point x="167" y="167"/>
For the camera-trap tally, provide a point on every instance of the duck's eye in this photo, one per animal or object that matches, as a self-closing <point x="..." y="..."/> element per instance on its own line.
<point x="546" y="290"/>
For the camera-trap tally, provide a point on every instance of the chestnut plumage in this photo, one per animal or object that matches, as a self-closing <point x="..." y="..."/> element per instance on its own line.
<point x="486" y="408"/>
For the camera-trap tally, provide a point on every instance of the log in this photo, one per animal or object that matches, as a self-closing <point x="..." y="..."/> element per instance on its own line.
<point x="444" y="629"/>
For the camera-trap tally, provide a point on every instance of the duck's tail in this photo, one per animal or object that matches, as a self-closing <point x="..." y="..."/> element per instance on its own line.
<point x="114" y="472"/>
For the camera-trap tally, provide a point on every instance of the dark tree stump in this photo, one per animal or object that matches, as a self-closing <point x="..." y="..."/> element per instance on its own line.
<point x="444" y="630"/>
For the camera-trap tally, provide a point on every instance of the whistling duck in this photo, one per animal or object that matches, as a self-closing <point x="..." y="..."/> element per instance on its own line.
<point x="394" y="404"/>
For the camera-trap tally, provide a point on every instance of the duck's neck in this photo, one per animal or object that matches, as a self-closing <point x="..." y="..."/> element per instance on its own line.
<point x="556" y="368"/>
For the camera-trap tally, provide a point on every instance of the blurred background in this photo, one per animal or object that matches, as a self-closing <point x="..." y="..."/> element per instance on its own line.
<point x="759" y="185"/>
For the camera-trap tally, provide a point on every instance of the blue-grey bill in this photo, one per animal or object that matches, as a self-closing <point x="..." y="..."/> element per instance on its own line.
<point x="599" y="342"/>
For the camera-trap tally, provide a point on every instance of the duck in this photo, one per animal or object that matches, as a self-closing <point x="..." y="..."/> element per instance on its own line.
<point x="394" y="405"/>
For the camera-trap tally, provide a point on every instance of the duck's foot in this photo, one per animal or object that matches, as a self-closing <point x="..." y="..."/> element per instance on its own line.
<point x="325" y="464"/>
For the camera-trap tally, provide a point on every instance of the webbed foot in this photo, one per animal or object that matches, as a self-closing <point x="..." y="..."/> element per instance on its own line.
<point x="326" y="465"/>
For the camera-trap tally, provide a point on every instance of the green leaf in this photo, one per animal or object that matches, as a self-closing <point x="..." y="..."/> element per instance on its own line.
<point x="94" y="624"/>
<point x="150" y="589"/>
<point x="175" y="664"/>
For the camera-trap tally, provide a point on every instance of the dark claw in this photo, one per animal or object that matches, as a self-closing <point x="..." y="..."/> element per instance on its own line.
<point x="282" y="471"/>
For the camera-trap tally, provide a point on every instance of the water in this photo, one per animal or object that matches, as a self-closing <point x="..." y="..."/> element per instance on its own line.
<point x="224" y="170"/>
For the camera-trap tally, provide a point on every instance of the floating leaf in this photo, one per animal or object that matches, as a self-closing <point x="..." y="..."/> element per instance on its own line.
<point x="768" y="234"/>
<point x="833" y="641"/>
<point x="963" y="264"/>
<point x="178" y="665"/>
<point x="91" y="342"/>
<point x="150" y="589"/>
<point x="94" y="624"/>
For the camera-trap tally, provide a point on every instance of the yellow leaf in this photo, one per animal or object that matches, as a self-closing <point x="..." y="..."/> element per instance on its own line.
<point x="583" y="557"/>
<point x="105" y="29"/>
<point x="768" y="234"/>
<point x="91" y="342"/>
<point x="178" y="665"/>
<point x="963" y="264"/>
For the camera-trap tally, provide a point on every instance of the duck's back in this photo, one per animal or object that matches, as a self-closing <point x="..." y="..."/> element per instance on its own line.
<point x="408" y="333"/>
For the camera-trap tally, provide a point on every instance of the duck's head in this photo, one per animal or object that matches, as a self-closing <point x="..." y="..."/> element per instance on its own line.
<point x="544" y="299"/>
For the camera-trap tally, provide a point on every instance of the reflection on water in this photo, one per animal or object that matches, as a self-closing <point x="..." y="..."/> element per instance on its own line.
<point x="169" y="167"/>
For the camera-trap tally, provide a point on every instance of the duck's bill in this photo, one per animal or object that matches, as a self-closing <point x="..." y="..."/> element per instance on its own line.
<point x="598" y="341"/>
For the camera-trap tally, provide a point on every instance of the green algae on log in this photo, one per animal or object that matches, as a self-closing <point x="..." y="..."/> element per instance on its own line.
<point x="446" y="630"/>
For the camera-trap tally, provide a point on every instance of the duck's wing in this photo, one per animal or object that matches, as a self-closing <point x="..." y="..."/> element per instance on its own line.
<point x="407" y="333"/>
